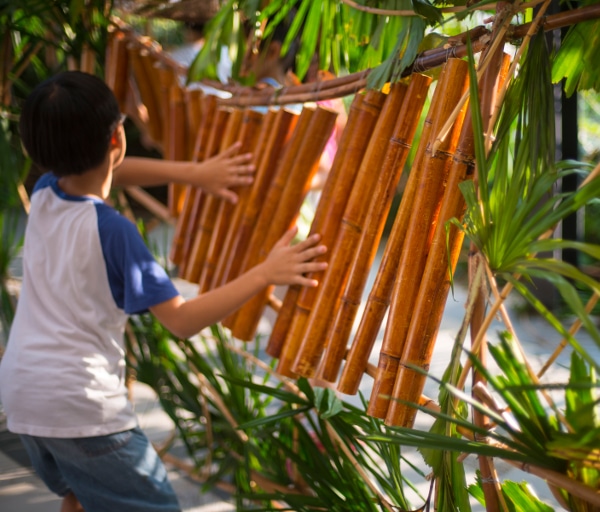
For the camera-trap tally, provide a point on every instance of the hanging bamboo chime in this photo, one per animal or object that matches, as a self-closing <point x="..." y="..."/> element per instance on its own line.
<point x="432" y="170"/>
<point x="292" y="193"/>
<point x="249" y="132"/>
<point x="215" y="241"/>
<point x="441" y="261"/>
<point x="351" y="227"/>
<point x="187" y="222"/>
<point x="363" y="113"/>
<point x="276" y="139"/>
<point x="391" y="170"/>
<point x="226" y="131"/>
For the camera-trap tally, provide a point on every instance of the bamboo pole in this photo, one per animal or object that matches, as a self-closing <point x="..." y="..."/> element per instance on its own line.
<point x="144" y="80"/>
<point x="117" y="66"/>
<point x="226" y="129"/>
<point x="431" y="298"/>
<point x="206" y="145"/>
<point x="293" y="193"/>
<point x="326" y="210"/>
<point x="432" y="172"/>
<point x="200" y="119"/>
<point x="289" y="328"/>
<point x="177" y="136"/>
<point x="380" y="203"/>
<point x="379" y="297"/>
<point x="268" y="209"/>
<point x="283" y="126"/>
<point x="259" y="154"/>
<point x="248" y="136"/>
<point x="193" y="101"/>
<point x="194" y="98"/>
<point x="351" y="227"/>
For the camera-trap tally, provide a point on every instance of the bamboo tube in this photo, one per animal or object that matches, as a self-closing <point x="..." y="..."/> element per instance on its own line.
<point x="283" y="128"/>
<point x="177" y="144"/>
<point x="379" y="297"/>
<point x="292" y="195"/>
<point x="289" y="327"/>
<point x="248" y="136"/>
<point x="352" y="224"/>
<point x="193" y="100"/>
<point x="380" y="203"/>
<point x="268" y="208"/>
<point x="322" y="213"/>
<point x="428" y="193"/>
<point x="229" y="121"/>
<point x="117" y="69"/>
<point x="207" y="145"/>
<point x="433" y="290"/>
<point x="203" y="109"/>
<point x="144" y="81"/>
<point x="244" y="195"/>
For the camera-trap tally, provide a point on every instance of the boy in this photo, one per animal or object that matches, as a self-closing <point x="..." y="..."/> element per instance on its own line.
<point x="85" y="269"/>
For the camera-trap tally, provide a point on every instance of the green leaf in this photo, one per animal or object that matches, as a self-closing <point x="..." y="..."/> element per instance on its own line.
<point x="327" y="403"/>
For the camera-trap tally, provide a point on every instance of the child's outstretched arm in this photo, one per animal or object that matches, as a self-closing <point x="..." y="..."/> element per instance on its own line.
<point x="215" y="175"/>
<point x="286" y="264"/>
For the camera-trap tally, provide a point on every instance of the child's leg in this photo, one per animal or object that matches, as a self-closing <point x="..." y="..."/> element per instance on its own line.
<point x="70" y="504"/>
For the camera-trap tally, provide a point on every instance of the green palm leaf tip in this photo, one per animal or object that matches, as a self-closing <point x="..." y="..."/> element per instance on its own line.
<point x="510" y="189"/>
<point x="517" y="496"/>
<point x="578" y="58"/>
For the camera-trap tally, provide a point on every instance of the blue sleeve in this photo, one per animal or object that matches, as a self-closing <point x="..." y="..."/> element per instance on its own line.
<point x="137" y="281"/>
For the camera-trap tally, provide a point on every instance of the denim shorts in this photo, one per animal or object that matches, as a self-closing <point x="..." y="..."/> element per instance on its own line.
<point x="113" y="473"/>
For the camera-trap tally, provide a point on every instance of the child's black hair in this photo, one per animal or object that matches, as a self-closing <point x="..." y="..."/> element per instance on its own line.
<point x="67" y="122"/>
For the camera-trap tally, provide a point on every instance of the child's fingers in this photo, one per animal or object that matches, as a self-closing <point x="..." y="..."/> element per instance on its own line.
<point x="287" y="237"/>
<point x="312" y="252"/>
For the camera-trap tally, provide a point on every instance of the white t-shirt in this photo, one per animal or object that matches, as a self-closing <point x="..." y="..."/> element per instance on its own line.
<point x="85" y="269"/>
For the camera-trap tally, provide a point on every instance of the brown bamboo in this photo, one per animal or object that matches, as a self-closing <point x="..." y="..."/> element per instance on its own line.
<point x="379" y="297"/>
<point x="283" y="127"/>
<point x="206" y="145"/>
<point x="193" y="101"/>
<point x="117" y="69"/>
<point x="177" y="143"/>
<point x="380" y="203"/>
<point x="351" y="227"/>
<point x="289" y="327"/>
<point x="194" y="98"/>
<point x="144" y="81"/>
<point x="433" y="290"/>
<point x="229" y="122"/>
<point x="326" y="202"/>
<point x="200" y="118"/>
<point x="268" y="208"/>
<point x="428" y="194"/>
<point x="244" y="195"/>
<point x="292" y="194"/>
<point x="248" y="137"/>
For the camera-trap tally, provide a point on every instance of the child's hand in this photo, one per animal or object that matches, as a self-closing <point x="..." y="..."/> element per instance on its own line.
<point x="218" y="174"/>
<point x="287" y="264"/>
